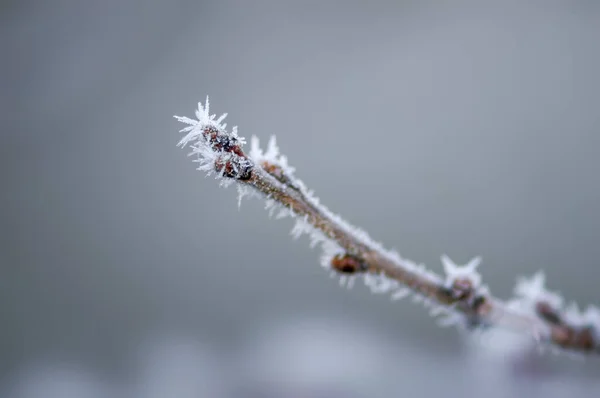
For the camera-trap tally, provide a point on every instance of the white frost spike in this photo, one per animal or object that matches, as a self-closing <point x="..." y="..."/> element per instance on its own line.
<point x="573" y="315"/>
<point x="206" y="108"/>
<point x="242" y="192"/>
<point x="533" y="290"/>
<point x="370" y="281"/>
<point x="316" y="237"/>
<point x="351" y="280"/>
<point x="400" y="294"/>
<point x="450" y="319"/>
<point x="255" y="153"/>
<point x="437" y="310"/>
<point x="467" y="271"/>
<point x="283" y="213"/>
<point x="270" y="206"/>
<point x="330" y="250"/>
<point x="272" y="150"/>
<point x="272" y="156"/>
<point x="592" y="316"/>
<point x="379" y="283"/>
<point x="221" y="118"/>
<point x="301" y="227"/>
<point x="225" y="182"/>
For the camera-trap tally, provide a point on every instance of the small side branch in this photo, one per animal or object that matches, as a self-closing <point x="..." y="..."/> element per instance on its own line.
<point x="459" y="296"/>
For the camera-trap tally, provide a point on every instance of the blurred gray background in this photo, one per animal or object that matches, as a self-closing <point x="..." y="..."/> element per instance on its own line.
<point x="466" y="128"/>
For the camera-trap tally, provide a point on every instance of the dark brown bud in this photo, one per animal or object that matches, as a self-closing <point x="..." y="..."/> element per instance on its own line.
<point x="235" y="167"/>
<point x="221" y="142"/>
<point x="479" y="303"/>
<point x="584" y="339"/>
<point x="562" y="336"/>
<point x="547" y="313"/>
<point x="461" y="289"/>
<point x="347" y="264"/>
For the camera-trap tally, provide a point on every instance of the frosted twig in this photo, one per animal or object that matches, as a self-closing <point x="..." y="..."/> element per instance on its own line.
<point x="459" y="296"/>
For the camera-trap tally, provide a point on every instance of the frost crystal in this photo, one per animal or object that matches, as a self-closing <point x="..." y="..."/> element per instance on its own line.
<point x="272" y="155"/>
<point x="205" y="120"/>
<point x="533" y="290"/>
<point x="213" y="145"/>
<point x="467" y="271"/>
<point x="400" y="293"/>
<point x="379" y="283"/>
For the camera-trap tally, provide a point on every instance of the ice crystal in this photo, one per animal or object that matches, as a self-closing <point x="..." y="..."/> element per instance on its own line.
<point x="271" y="155"/>
<point x="400" y="293"/>
<point x="211" y="143"/>
<point x="205" y="119"/>
<point x="467" y="271"/>
<point x="530" y="291"/>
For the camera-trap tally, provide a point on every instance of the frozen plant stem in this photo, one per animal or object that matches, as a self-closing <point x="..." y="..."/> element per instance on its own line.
<point x="460" y="296"/>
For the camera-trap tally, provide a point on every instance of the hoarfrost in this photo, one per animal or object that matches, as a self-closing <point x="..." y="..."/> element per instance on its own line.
<point x="206" y="156"/>
<point x="245" y="191"/>
<point x="400" y="293"/>
<point x="468" y="271"/>
<point x="451" y="319"/>
<point x="533" y="290"/>
<point x="379" y="283"/>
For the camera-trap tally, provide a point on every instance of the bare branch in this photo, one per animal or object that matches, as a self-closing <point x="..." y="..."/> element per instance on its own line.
<point x="349" y="251"/>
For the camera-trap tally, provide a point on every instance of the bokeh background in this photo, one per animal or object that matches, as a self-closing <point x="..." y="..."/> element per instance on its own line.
<point x="466" y="128"/>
